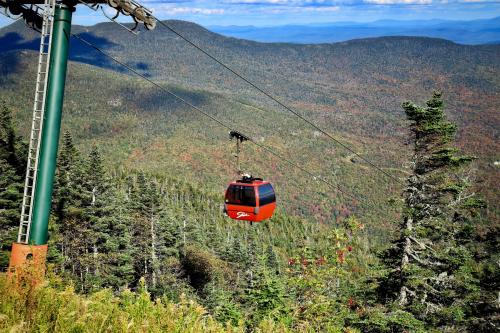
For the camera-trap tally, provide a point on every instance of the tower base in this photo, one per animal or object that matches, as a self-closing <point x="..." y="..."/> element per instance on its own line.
<point x="27" y="263"/>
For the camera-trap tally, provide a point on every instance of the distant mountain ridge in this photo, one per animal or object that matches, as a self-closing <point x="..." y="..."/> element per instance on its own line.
<point x="374" y="74"/>
<point x="464" y="32"/>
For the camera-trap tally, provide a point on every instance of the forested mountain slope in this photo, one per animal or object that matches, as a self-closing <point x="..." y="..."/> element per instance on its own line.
<point x="138" y="127"/>
<point x="353" y="89"/>
<point x="369" y="75"/>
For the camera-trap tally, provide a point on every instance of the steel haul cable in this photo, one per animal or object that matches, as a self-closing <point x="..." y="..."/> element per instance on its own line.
<point x="269" y="150"/>
<point x="264" y="147"/>
<point x="276" y="100"/>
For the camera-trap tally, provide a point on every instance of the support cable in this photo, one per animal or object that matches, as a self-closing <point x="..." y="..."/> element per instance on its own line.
<point x="263" y="147"/>
<point x="276" y="100"/>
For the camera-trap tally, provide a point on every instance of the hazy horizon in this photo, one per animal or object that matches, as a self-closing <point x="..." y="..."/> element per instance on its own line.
<point x="434" y="20"/>
<point x="269" y="13"/>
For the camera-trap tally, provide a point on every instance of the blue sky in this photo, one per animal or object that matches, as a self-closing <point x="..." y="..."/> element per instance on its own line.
<point x="281" y="12"/>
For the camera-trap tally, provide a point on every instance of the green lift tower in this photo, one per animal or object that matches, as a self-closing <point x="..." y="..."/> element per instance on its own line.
<point x="53" y="19"/>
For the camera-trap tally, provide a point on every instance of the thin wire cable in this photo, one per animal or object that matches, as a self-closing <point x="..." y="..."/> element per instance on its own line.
<point x="269" y="150"/>
<point x="258" y="88"/>
<point x="264" y="147"/>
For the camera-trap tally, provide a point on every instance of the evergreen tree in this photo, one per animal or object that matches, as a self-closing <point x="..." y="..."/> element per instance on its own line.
<point x="96" y="208"/>
<point x="115" y="258"/>
<point x="12" y="168"/>
<point x="429" y="264"/>
<point x="221" y="304"/>
<point x="272" y="260"/>
<point x="144" y="205"/>
<point x="71" y="201"/>
<point x="265" y="293"/>
<point x="66" y="186"/>
<point x="486" y="309"/>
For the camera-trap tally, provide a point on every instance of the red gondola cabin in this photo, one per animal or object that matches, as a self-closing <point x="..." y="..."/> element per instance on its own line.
<point x="250" y="199"/>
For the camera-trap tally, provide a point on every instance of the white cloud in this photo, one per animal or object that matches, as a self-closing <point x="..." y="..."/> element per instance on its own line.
<point x="321" y="9"/>
<point x="169" y="9"/>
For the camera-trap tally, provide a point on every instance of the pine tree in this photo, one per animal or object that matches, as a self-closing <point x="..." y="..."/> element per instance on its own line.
<point x="71" y="199"/>
<point x="64" y="191"/>
<point x="115" y="259"/>
<point x="429" y="264"/>
<point x="96" y="208"/>
<point x="12" y="168"/>
<point x="486" y="314"/>
<point x="265" y="293"/>
<point x="144" y="204"/>
<point x="272" y="259"/>
<point x="221" y="304"/>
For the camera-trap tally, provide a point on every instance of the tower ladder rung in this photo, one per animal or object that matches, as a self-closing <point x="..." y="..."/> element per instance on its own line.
<point x="37" y="121"/>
